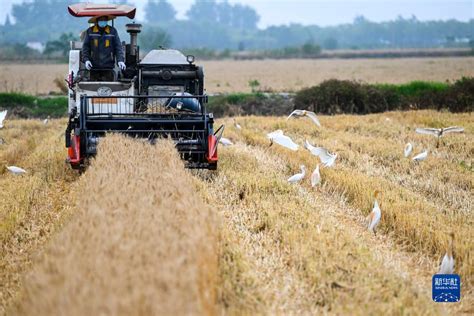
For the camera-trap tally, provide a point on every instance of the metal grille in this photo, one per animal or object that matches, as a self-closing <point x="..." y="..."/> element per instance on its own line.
<point x="147" y="117"/>
<point x="135" y="105"/>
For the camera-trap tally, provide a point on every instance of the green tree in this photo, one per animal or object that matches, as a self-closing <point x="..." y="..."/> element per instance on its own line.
<point x="154" y="38"/>
<point x="224" y="13"/>
<point x="244" y="17"/>
<point x="330" y="43"/>
<point x="159" y="12"/>
<point x="310" y="49"/>
<point x="203" y="11"/>
<point x="60" y="46"/>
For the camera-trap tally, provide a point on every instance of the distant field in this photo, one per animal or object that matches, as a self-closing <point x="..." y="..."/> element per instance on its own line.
<point x="275" y="75"/>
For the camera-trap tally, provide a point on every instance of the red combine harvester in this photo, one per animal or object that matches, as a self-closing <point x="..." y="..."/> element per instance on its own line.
<point x="160" y="95"/>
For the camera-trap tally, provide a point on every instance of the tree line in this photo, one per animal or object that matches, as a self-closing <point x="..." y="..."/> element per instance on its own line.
<point x="220" y="25"/>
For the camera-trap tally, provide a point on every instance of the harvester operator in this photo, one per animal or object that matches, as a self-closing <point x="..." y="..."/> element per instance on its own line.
<point x="100" y="48"/>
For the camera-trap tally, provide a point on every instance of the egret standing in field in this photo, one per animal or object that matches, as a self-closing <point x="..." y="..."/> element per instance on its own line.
<point x="282" y="140"/>
<point x="225" y="141"/>
<point x="315" y="177"/>
<point x="3" y="115"/>
<point x="375" y="215"/>
<point x="447" y="264"/>
<point x="439" y="132"/>
<point x="421" y="156"/>
<point x="299" y="176"/>
<point x="408" y="149"/>
<point x="309" y="114"/>
<point x="16" y="170"/>
<point x="237" y="125"/>
<point x="324" y="155"/>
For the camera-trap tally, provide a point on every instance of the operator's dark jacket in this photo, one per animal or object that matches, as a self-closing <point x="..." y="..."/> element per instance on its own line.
<point x="100" y="46"/>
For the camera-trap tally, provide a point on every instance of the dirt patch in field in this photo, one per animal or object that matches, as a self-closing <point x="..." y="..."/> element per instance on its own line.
<point x="142" y="241"/>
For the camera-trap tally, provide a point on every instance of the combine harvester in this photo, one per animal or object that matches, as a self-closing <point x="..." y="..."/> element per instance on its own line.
<point x="161" y="95"/>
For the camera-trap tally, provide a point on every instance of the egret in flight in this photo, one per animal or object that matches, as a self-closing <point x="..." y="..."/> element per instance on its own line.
<point x="327" y="159"/>
<point x="282" y="140"/>
<point x="439" y="132"/>
<point x="3" y="115"/>
<point x="309" y="114"/>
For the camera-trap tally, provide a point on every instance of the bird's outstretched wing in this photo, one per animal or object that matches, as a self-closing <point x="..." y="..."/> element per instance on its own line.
<point x="324" y="155"/>
<point x="313" y="117"/>
<point x="321" y="152"/>
<point x="3" y="115"/>
<point x="428" y="131"/>
<point x="285" y="141"/>
<point x="453" y="129"/>
<point x="274" y="134"/>
<point x="295" y="112"/>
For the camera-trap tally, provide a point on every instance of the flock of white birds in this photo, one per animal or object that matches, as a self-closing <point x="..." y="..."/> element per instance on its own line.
<point x="328" y="160"/>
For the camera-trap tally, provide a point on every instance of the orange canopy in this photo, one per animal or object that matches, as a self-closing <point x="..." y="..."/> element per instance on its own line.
<point x="94" y="10"/>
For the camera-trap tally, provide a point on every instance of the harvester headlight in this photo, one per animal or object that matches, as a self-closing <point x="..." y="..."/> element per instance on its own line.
<point x="190" y="59"/>
<point x="104" y="91"/>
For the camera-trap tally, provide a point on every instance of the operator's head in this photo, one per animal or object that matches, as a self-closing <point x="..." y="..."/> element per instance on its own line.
<point x="102" y="21"/>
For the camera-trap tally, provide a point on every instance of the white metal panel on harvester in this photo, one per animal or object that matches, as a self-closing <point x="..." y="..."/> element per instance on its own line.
<point x="74" y="63"/>
<point x="164" y="57"/>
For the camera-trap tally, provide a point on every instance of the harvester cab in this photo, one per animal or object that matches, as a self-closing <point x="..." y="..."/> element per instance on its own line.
<point x="161" y="95"/>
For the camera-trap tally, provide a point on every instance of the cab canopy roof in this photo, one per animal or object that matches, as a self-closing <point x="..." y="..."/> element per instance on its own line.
<point x="94" y="10"/>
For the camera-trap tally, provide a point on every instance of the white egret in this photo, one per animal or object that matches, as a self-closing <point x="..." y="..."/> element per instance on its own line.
<point x="408" y="149"/>
<point x="421" y="156"/>
<point x="447" y="264"/>
<point x="439" y="132"/>
<point x="327" y="159"/>
<point x="16" y="170"/>
<point x="45" y="121"/>
<point x="282" y="140"/>
<point x="309" y="114"/>
<point x="3" y="115"/>
<point x="237" y="125"/>
<point x="225" y="141"/>
<point x="375" y="215"/>
<point x="315" y="177"/>
<point x="299" y="176"/>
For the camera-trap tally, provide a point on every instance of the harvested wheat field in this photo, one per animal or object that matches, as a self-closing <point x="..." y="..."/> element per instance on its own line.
<point x="141" y="241"/>
<point x="32" y="207"/>
<point x="143" y="236"/>
<point x="273" y="75"/>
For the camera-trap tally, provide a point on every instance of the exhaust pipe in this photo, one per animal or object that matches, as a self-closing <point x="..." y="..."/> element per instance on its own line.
<point x="133" y="29"/>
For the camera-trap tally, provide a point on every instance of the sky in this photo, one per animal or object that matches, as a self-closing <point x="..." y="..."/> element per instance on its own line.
<point x="325" y="12"/>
